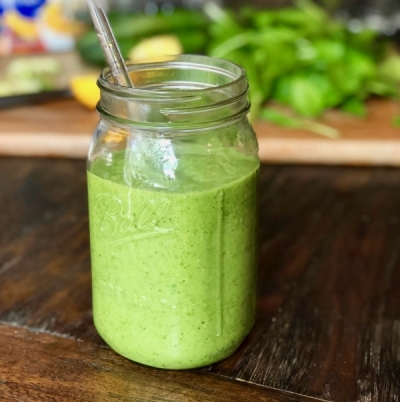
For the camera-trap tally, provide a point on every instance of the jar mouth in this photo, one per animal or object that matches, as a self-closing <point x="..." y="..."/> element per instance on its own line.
<point x="151" y="77"/>
<point x="182" y="91"/>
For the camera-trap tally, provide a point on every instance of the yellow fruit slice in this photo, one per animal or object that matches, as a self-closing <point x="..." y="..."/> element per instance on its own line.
<point x="54" y="17"/>
<point x="155" y="48"/>
<point x="85" y="90"/>
<point x="21" y="26"/>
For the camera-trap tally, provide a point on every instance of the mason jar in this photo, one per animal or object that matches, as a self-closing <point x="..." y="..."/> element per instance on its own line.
<point x="172" y="178"/>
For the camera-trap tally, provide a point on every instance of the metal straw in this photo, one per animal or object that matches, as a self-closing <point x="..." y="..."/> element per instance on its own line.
<point x="109" y="45"/>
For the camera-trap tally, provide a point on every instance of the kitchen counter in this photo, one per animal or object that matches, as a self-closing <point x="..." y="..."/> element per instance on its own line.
<point x="64" y="128"/>
<point x="328" y="318"/>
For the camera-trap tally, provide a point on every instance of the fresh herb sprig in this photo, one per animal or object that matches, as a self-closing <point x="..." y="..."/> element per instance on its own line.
<point x="304" y="59"/>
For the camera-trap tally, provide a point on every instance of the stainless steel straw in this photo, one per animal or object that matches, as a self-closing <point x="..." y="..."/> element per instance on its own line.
<point x="109" y="45"/>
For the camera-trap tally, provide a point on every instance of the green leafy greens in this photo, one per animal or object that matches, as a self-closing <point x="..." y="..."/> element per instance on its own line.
<point x="299" y="57"/>
<point x="302" y="58"/>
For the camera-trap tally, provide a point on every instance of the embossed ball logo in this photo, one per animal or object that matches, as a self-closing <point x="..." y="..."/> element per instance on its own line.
<point x="124" y="225"/>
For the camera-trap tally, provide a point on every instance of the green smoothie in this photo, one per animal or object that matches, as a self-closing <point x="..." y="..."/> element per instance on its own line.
<point x="174" y="271"/>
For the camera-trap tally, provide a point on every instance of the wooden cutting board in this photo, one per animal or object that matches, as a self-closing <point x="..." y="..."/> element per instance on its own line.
<point x="64" y="128"/>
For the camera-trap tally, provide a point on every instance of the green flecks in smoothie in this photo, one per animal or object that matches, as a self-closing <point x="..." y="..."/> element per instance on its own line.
<point x="174" y="269"/>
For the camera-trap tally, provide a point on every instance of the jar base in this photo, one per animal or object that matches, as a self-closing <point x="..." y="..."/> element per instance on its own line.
<point x="174" y="362"/>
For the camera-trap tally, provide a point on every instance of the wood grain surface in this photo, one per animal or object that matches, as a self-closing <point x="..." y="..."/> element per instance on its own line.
<point x="57" y="129"/>
<point x="59" y="368"/>
<point x="328" y="302"/>
<point x="373" y="140"/>
<point x="64" y="128"/>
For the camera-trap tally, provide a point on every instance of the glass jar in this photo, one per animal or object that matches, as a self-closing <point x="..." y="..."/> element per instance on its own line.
<point x="172" y="172"/>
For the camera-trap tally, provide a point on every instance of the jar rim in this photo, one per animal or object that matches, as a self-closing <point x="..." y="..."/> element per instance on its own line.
<point x="183" y="91"/>
<point x="230" y="70"/>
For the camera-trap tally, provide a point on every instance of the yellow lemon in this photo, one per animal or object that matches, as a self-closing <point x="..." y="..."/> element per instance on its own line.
<point x="85" y="90"/>
<point x="155" y="48"/>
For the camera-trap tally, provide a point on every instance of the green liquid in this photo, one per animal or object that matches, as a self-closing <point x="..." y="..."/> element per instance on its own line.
<point x="174" y="272"/>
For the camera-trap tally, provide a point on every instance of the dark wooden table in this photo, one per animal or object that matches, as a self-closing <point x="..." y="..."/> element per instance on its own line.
<point x="328" y="323"/>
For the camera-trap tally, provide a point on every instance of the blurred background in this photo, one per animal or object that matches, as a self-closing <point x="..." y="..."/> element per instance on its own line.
<point x="317" y="69"/>
<point x="36" y="24"/>
<point x="334" y="53"/>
